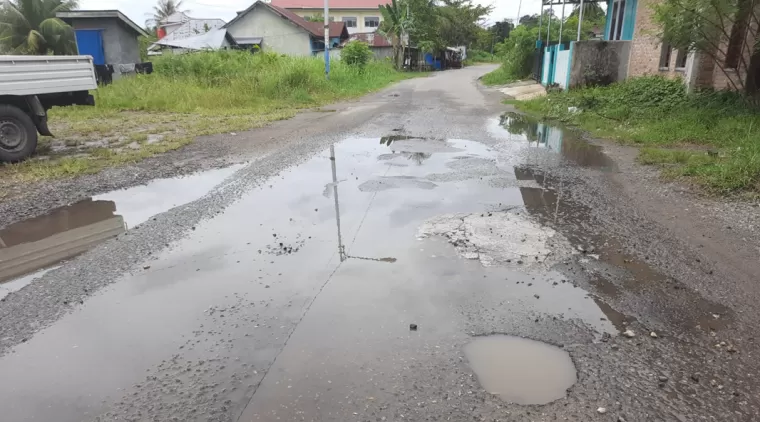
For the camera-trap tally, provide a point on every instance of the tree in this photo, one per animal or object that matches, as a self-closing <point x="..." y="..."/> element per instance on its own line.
<point x="719" y="30"/>
<point x="30" y="27"/>
<point x="458" y="22"/>
<point x="163" y="10"/>
<point x="591" y="11"/>
<point x="315" y="18"/>
<point x="395" y="25"/>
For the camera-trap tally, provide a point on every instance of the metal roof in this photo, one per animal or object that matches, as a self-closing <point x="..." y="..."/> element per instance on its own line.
<point x="100" y="14"/>
<point x="211" y="40"/>
<point x="337" y="29"/>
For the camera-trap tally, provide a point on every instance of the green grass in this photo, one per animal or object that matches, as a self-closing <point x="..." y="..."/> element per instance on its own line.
<point x="709" y="138"/>
<point x="188" y="96"/>
<point x="500" y="76"/>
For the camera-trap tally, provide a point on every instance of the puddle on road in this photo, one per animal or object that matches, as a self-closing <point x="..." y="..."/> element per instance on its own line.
<point x="65" y="232"/>
<point x="520" y="370"/>
<point x="565" y="143"/>
<point x="615" y="274"/>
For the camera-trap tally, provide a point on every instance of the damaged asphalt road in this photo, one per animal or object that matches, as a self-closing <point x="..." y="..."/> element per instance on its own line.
<point x="482" y="267"/>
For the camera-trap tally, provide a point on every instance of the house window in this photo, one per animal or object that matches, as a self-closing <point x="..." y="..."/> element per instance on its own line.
<point x="350" y="22"/>
<point x="738" y="34"/>
<point x="616" y="27"/>
<point x="371" y="22"/>
<point x="665" y="54"/>
<point x="681" y="58"/>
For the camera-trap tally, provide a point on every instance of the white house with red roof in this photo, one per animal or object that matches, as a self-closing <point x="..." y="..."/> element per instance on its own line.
<point x="279" y="30"/>
<point x="358" y="15"/>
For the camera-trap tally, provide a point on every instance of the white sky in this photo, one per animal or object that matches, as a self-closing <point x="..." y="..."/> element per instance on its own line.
<point x="140" y="10"/>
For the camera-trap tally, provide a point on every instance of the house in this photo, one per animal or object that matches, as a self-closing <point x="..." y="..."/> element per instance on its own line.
<point x="179" y="26"/>
<point x="380" y="45"/>
<point x="108" y="36"/>
<point x="279" y="30"/>
<point x="358" y="15"/>
<point x="631" y="48"/>
<point x="215" y="39"/>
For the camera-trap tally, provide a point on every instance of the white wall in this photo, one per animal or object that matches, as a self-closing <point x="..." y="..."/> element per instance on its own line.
<point x="280" y="35"/>
<point x="560" y="74"/>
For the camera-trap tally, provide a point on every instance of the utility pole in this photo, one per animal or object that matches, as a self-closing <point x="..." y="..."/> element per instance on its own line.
<point x="327" y="40"/>
<point x="580" y="20"/>
<point x="561" y="23"/>
<point x="519" y="6"/>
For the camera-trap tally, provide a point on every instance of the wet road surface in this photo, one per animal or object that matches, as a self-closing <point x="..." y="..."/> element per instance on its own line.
<point x="458" y="276"/>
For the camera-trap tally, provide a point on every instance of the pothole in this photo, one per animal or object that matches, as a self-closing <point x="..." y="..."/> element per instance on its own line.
<point x="520" y="370"/>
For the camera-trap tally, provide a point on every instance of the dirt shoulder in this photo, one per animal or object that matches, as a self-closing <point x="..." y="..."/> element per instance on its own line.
<point x="176" y="153"/>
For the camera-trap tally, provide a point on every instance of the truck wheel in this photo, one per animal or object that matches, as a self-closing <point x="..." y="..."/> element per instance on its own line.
<point x="18" y="135"/>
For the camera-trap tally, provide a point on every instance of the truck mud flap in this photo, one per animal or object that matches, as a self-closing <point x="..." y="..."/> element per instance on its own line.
<point x="39" y="115"/>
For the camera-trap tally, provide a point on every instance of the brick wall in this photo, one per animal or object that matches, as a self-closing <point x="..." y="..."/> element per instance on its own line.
<point x="646" y="49"/>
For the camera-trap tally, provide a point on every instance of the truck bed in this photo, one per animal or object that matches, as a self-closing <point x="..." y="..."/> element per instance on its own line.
<point x="35" y="75"/>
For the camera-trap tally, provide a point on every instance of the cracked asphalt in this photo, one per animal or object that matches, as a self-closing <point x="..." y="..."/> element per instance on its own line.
<point x="271" y="291"/>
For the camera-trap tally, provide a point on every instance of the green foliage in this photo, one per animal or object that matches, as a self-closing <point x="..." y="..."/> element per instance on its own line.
<point x="708" y="137"/>
<point x="30" y="27"/>
<point x="144" y="43"/>
<point x="480" y="56"/>
<point x="237" y="80"/>
<point x="315" y="18"/>
<point x="518" y="51"/>
<point x="700" y="25"/>
<point x="356" y="54"/>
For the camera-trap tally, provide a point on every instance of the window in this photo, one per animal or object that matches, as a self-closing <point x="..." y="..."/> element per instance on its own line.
<point x="681" y="58"/>
<point x="616" y="27"/>
<point x="738" y="33"/>
<point x="371" y="22"/>
<point x="350" y="22"/>
<point x="667" y="51"/>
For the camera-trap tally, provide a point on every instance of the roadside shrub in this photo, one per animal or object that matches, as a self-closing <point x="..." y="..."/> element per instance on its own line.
<point x="356" y="53"/>
<point x="719" y="127"/>
<point x="232" y="81"/>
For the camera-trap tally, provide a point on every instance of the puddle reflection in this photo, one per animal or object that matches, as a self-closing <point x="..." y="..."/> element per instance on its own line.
<point x="66" y="232"/>
<point x="618" y="273"/>
<point x="557" y="140"/>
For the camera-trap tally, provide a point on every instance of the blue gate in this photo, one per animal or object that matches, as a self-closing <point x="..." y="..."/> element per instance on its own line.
<point x="90" y="43"/>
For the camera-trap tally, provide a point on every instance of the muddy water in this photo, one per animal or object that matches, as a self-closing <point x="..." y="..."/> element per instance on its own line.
<point x="520" y="370"/>
<point x="29" y="246"/>
<point x="228" y="298"/>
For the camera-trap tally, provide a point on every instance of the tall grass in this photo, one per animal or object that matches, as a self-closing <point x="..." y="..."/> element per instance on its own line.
<point x="225" y="81"/>
<point x="712" y="138"/>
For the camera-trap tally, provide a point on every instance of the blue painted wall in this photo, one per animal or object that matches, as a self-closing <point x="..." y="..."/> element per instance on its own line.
<point x="629" y="20"/>
<point x="90" y="43"/>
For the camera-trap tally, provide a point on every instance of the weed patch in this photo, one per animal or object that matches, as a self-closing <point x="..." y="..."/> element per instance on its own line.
<point x="188" y="96"/>
<point x="710" y="138"/>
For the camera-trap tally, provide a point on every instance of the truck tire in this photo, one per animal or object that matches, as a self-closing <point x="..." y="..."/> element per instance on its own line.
<point x="18" y="135"/>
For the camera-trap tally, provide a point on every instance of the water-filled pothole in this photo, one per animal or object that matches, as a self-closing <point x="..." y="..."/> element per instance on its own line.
<point x="520" y="370"/>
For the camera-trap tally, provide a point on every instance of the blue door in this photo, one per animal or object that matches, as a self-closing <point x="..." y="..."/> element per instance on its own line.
<point x="90" y="43"/>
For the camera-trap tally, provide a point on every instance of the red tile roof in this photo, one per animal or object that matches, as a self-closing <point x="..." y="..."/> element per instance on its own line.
<point x="337" y="29"/>
<point x="316" y="28"/>
<point x="374" y="39"/>
<point x="334" y="4"/>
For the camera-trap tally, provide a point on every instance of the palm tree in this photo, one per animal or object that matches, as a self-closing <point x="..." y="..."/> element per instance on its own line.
<point x="591" y="11"/>
<point x="396" y="23"/>
<point x="30" y="27"/>
<point x="163" y="10"/>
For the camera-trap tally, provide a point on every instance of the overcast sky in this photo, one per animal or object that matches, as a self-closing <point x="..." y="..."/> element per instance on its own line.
<point x="139" y="10"/>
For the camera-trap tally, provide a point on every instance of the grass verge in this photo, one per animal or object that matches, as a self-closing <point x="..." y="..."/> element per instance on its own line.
<point x="709" y="138"/>
<point x="501" y="76"/>
<point x="189" y="96"/>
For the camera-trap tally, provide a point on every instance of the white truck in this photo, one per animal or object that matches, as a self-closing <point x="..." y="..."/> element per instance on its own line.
<point x="31" y="85"/>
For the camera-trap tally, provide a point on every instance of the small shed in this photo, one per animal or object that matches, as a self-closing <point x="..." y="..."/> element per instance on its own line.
<point x="108" y="36"/>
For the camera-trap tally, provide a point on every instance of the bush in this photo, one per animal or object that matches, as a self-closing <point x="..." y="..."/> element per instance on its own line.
<point x="657" y="113"/>
<point x="225" y="81"/>
<point x="356" y="53"/>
